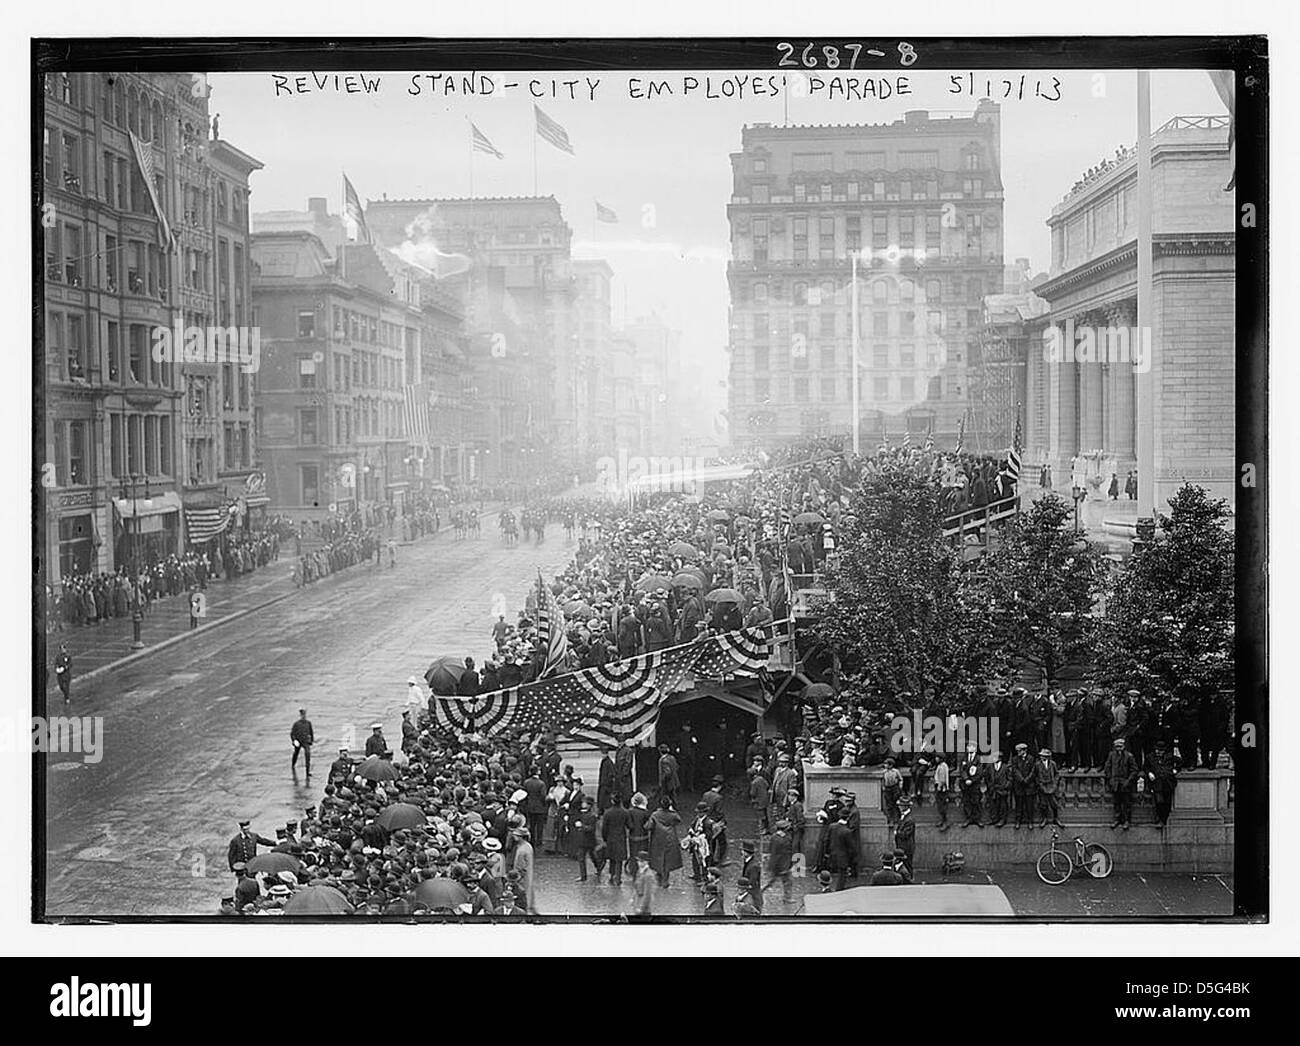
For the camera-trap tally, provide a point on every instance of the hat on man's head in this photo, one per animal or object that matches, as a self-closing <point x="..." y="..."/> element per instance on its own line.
<point x="1044" y="751"/>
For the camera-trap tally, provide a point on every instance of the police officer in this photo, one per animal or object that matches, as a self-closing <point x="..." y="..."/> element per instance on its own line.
<point x="63" y="673"/>
<point x="905" y="833"/>
<point x="243" y="847"/>
<point x="303" y="737"/>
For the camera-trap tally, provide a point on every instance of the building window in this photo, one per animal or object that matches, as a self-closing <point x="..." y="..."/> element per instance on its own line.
<point x="879" y="231"/>
<point x="879" y="292"/>
<point x="800" y="227"/>
<point x="135" y="444"/>
<point x="800" y="192"/>
<point x="800" y="387"/>
<point x="760" y="193"/>
<point x="151" y="444"/>
<point x="71" y="156"/>
<point x="115" y="445"/>
<point x="77" y="463"/>
<point x="906" y="231"/>
<point x="762" y="356"/>
<point x="906" y="355"/>
<point x="229" y="441"/>
<point x="165" y="445"/>
<point x="308" y="421"/>
<point x="828" y="357"/>
<point x="309" y="475"/>
<point x="880" y="357"/>
<point x="933" y="291"/>
<point x="827" y="387"/>
<point x="932" y="234"/>
<point x="762" y="389"/>
<point x="851" y="190"/>
<point x="880" y="388"/>
<point x="906" y="387"/>
<point x="306" y="372"/>
<point x="760" y="165"/>
<point x="826" y="237"/>
<point x="306" y="323"/>
<point x="76" y="348"/>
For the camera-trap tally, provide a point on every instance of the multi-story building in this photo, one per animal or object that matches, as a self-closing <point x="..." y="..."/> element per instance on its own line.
<point x="340" y="343"/>
<point x="1081" y="413"/>
<point x="659" y="379"/>
<point x="517" y="247"/>
<point x="131" y="237"/>
<point x="919" y="201"/>
<point x="594" y="392"/>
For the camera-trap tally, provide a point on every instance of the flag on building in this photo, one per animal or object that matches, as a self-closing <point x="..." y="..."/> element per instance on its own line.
<point x="1225" y="83"/>
<point x="604" y="214"/>
<point x="416" y="411"/>
<point x="551" y="131"/>
<point x="551" y="628"/>
<point x="480" y="143"/>
<point x="907" y="439"/>
<point x="144" y="160"/>
<point x="352" y="208"/>
<point x="928" y="445"/>
<point x="961" y="435"/>
<point x="203" y="524"/>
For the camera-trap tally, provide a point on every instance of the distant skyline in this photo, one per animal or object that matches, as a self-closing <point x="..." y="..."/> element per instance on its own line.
<point x="661" y="164"/>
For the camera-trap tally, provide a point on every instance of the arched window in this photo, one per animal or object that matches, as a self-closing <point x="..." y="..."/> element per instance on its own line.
<point x="132" y="111"/>
<point x="933" y="290"/>
<point x="146" y="125"/>
<point x="159" y="128"/>
<point x="119" y="103"/>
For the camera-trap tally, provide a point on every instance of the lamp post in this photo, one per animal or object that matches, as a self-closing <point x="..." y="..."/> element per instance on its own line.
<point x="1080" y="494"/>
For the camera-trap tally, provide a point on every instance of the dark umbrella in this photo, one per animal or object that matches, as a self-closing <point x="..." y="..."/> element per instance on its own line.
<point x="687" y="580"/>
<point x="723" y="595"/>
<point x="377" y="769"/>
<point x="440" y="893"/>
<point x="817" y="691"/>
<point x="317" y="900"/>
<point x="443" y="676"/>
<point x="578" y="608"/>
<point x="682" y="548"/>
<point x="400" y="815"/>
<point x="652" y="581"/>
<point x="719" y="516"/>
<point x="273" y="863"/>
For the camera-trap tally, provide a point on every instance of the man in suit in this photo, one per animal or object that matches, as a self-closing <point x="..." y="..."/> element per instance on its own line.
<point x="1024" y="785"/>
<point x="614" y="828"/>
<point x="970" y="776"/>
<point x="522" y="862"/>
<point x="243" y="847"/>
<point x="1120" y="773"/>
<point x="840" y="848"/>
<point x="376" y="743"/>
<point x="669" y="782"/>
<point x="781" y="859"/>
<point x="303" y="737"/>
<point x="1046" y="778"/>
<point x="624" y="758"/>
<point x="1163" y="776"/>
<point x="885" y="875"/>
<point x="905" y="833"/>
<point x="605" y="784"/>
<point x="752" y="870"/>
<point x="533" y="805"/>
<point x="342" y="766"/>
<point x="997" y="781"/>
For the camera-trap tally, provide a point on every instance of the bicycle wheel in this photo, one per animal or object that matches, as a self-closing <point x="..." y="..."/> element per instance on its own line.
<point x="1097" y="860"/>
<point x="1054" y="867"/>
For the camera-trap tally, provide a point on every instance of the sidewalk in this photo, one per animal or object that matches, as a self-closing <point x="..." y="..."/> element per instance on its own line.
<point x="96" y="649"/>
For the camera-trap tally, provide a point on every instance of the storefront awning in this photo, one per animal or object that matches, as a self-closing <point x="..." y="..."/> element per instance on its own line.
<point x="158" y="505"/>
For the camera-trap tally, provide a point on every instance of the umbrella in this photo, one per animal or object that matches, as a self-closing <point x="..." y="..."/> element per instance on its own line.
<point x="376" y="769"/>
<point x="444" y="674"/>
<point x="719" y="515"/>
<point x="723" y="595"/>
<point x="682" y="548"/>
<point x="576" y="607"/>
<point x="440" y="893"/>
<point x="652" y="581"/>
<point x="273" y="863"/>
<point x="317" y="900"/>
<point x="819" y="690"/>
<point x="809" y="517"/>
<point x="400" y="815"/>
<point x="687" y="580"/>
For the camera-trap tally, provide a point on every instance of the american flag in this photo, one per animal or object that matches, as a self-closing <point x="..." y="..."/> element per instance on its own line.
<point x="144" y="157"/>
<point x="961" y="435"/>
<point x="1013" y="456"/>
<point x="928" y="446"/>
<point x="480" y="144"/>
<point x="907" y="439"/>
<point x="550" y="623"/>
<point x="416" y="405"/>
<point x="552" y="131"/>
<point x="353" y="209"/>
<point x="610" y="703"/>
<point x="605" y="214"/>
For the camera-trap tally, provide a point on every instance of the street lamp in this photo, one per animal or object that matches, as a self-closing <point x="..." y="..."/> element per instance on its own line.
<point x="1080" y="494"/>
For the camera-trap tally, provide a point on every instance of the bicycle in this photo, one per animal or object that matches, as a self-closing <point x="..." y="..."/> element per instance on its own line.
<point x="1055" y="865"/>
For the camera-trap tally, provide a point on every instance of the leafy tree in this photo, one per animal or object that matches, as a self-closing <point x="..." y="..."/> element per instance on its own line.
<point x="1046" y="581"/>
<point x="907" y="614"/>
<point x="1169" y="621"/>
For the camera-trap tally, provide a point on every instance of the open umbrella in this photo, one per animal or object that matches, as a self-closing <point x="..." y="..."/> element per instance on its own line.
<point x="682" y="548"/>
<point x="444" y="674"/>
<point x="578" y="608"/>
<point x="719" y="515"/>
<point x="816" y="691"/>
<point x="317" y="900"/>
<point x="723" y="595"/>
<point x="809" y="517"/>
<point x="273" y="863"/>
<point x="687" y="580"/>
<point x="377" y="769"/>
<point x="652" y="581"/>
<point x="440" y="893"/>
<point x="400" y="815"/>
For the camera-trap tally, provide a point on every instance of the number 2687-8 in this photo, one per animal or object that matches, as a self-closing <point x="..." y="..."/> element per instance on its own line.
<point x="827" y="56"/>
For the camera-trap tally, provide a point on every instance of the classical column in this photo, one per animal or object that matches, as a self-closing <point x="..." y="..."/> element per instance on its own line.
<point x="1091" y="435"/>
<point x="1119" y="429"/>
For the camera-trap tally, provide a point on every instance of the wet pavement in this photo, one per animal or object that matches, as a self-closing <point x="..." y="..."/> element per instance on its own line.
<point x="196" y="736"/>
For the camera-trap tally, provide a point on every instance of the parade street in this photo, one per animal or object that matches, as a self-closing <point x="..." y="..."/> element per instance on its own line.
<point x="196" y="736"/>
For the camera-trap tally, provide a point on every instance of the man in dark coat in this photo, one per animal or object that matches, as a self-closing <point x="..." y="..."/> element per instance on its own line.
<point x="780" y="859"/>
<point x="533" y="805"/>
<point x="840" y="848"/>
<point x="303" y="737"/>
<point x="624" y="760"/>
<point x="970" y="776"/>
<point x="63" y="672"/>
<point x="614" y="829"/>
<point x="376" y="743"/>
<point x="997" y="783"/>
<point x="605" y="784"/>
<point x="243" y="847"/>
<point x="1121" y="774"/>
<point x="1213" y="715"/>
<point x="469" y="682"/>
<point x="905" y="832"/>
<point x="752" y="870"/>
<point x="669" y="782"/>
<point x="1023" y="785"/>
<point x="1047" y="778"/>
<point x="1163" y="776"/>
<point x="343" y="765"/>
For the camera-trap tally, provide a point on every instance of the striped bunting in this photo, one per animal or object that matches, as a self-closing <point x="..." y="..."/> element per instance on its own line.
<point x="550" y="624"/>
<point x="416" y="408"/>
<point x="609" y="703"/>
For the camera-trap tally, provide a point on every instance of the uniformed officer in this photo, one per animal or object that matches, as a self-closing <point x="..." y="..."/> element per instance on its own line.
<point x="243" y="847"/>
<point x="905" y="833"/>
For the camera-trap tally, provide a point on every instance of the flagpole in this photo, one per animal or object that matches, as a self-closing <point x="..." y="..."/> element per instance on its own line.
<point x="1143" y="381"/>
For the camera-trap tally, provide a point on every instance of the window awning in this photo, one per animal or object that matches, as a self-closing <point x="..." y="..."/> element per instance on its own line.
<point x="158" y="505"/>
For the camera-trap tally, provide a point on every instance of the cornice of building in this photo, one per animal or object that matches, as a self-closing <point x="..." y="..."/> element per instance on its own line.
<point x="1125" y="256"/>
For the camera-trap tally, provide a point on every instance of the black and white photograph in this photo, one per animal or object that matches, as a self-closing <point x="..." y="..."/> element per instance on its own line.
<point x="782" y="479"/>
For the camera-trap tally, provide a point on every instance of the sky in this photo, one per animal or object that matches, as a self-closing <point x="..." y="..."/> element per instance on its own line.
<point x="661" y="163"/>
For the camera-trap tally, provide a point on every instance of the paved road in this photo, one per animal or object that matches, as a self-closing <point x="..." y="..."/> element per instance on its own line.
<point x="196" y="736"/>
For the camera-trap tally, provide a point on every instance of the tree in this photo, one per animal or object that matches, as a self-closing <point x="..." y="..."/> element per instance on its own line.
<point x="1046" y="581"/>
<point x="1169" y="621"/>
<point x="907" y="615"/>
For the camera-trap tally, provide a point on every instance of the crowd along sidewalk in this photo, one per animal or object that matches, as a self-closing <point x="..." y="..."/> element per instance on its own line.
<point x="97" y="649"/>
